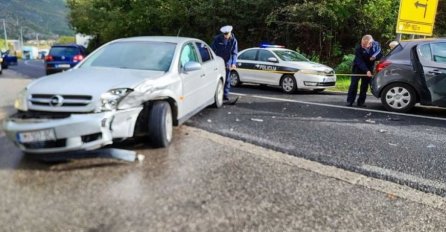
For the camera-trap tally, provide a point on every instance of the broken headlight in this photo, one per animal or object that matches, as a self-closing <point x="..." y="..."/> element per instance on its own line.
<point x="110" y="100"/>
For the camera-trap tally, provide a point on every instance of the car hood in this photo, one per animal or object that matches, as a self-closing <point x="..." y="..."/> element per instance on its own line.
<point x="308" y="65"/>
<point x="91" y="81"/>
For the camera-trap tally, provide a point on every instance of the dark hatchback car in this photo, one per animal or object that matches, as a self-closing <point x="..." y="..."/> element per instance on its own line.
<point x="413" y="72"/>
<point x="63" y="57"/>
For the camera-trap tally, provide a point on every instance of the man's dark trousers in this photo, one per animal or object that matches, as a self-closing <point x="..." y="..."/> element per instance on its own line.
<point x="353" y="90"/>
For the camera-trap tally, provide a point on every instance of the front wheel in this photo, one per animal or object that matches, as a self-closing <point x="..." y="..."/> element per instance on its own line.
<point x="288" y="84"/>
<point x="160" y="124"/>
<point x="398" y="97"/>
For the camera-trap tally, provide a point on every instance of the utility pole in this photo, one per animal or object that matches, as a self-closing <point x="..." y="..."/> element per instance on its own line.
<point x="4" y="30"/>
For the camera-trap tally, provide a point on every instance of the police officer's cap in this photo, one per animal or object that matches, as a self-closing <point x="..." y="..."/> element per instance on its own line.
<point x="226" y="29"/>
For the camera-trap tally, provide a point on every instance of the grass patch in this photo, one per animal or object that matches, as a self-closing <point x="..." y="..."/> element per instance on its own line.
<point x="342" y="84"/>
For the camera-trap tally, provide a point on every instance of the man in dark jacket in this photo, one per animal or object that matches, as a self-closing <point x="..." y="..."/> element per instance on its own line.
<point x="225" y="45"/>
<point x="365" y="56"/>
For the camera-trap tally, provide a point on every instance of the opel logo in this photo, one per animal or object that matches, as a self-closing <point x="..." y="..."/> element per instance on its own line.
<point x="56" y="100"/>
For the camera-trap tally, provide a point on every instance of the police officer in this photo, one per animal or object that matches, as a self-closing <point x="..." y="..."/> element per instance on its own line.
<point x="225" y="45"/>
<point x="365" y="56"/>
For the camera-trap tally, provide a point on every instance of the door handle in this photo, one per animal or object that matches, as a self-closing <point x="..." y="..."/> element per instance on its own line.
<point x="435" y="72"/>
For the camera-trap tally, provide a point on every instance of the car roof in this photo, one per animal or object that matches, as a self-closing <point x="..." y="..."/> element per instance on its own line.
<point x="419" y="41"/>
<point x="168" y="39"/>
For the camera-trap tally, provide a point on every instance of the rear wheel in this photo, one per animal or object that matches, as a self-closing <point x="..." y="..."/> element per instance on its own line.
<point x="288" y="84"/>
<point x="160" y="124"/>
<point x="218" y="97"/>
<point x="398" y="97"/>
<point x="234" y="79"/>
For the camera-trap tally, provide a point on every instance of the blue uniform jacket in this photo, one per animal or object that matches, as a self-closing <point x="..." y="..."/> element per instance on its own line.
<point x="228" y="51"/>
<point x="362" y="62"/>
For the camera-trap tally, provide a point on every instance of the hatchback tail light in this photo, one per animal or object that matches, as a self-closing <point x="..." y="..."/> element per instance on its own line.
<point x="381" y="65"/>
<point x="78" y="58"/>
<point x="48" y="58"/>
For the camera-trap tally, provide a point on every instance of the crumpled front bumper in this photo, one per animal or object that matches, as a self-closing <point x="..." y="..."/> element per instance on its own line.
<point x="74" y="132"/>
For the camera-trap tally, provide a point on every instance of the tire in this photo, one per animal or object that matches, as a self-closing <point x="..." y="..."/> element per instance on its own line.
<point x="1" y="70"/>
<point x="318" y="90"/>
<point x="218" y="96"/>
<point x="160" y="124"/>
<point x="234" y="79"/>
<point x="288" y="84"/>
<point x="398" y="97"/>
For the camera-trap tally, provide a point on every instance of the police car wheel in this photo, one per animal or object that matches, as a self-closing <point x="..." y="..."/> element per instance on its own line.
<point x="398" y="97"/>
<point x="234" y="79"/>
<point x="288" y="84"/>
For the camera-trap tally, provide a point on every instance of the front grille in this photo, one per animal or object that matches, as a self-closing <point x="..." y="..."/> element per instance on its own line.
<point x="60" y="100"/>
<point x="326" y="84"/>
<point x="46" y="144"/>
<point x="40" y="115"/>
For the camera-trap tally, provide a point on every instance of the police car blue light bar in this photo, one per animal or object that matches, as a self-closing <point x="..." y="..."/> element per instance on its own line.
<point x="271" y="46"/>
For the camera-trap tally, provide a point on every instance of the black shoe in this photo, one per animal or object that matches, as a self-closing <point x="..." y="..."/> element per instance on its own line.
<point x="225" y="99"/>
<point x="362" y="105"/>
<point x="349" y="104"/>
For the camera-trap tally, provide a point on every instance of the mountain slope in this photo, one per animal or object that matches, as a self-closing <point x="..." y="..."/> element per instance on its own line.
<point x="45" y="17"/>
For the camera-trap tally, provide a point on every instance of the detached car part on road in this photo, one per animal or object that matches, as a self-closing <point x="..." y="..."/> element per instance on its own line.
<point x="277" y="66"/>
<point x="139" y="86"/>
<point x="413" y="72"/>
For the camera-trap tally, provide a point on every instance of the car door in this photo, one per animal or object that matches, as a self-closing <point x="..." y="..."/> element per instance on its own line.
<point x="432" y="57"/>
<point x="210" y="69"/>
<point x="246" y="63"/>
<point x="194" y="92"/>
<point x="267" y="69"/>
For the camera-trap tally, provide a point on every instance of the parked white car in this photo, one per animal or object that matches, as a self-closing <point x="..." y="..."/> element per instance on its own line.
<point x="126" y="88"/>
<point x="277" y="66"/>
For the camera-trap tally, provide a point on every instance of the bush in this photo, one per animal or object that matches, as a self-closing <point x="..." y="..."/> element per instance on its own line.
<point x="345" y="67"/>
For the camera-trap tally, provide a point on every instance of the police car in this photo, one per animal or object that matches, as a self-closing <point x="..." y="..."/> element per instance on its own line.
<point x="277" y="66"/>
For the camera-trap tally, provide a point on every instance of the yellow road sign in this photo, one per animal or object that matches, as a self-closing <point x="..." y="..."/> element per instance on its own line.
<point x="416" y="17"/>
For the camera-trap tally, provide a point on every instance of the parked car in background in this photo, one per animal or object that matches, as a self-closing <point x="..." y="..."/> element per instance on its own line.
<point x="413" y="72"/>
<point x="63" y="56"/>
<point x="7" y="59"/>
<point x="139" y="86"/>
<point x="277" y="66"/>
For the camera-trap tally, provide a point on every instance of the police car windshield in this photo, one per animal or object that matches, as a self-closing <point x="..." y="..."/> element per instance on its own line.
<point x="288" y="55"/>
<point x="134" y="55"/>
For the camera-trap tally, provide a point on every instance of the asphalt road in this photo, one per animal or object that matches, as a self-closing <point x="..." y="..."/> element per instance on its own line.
<point x="29" y="68"/>
<point x="408" y="149"/>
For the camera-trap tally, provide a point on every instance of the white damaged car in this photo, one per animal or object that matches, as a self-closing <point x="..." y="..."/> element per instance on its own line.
<point x="126" y="88"/>
<point x="277" y="66"/>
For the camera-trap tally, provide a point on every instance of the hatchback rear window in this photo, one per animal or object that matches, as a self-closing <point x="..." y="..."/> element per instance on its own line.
<point x="64" y="51"/>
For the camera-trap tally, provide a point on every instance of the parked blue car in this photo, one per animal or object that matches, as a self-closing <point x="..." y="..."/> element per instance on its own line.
<point x="64" y="56"/>
<point x="8" y="59"/>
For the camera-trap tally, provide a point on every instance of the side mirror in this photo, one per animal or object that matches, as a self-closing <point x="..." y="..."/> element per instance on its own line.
<point x="192" y="66"/>
<point x="273" y="59"/>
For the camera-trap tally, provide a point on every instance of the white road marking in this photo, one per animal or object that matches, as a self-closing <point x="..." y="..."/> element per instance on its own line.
<point x="339" y="107"/>
<point x="403" y="176"/>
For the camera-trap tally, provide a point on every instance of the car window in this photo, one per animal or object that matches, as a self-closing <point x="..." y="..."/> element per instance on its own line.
<point x="205" y="53"/>
<point x="264" y="55"/>
<point x="425" y="52"/>
<point x="248" y="55"/>
<point x="188" y="54"/>
<point x="133" y="55"/>
<point x="289" y="55"/>
<point x="64" y="51"/>
<point x="439" y="52"/>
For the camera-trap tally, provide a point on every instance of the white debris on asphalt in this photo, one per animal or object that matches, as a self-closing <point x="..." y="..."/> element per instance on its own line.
<point x="237" y="120"/>
<point x="229" y="113"/>
<point x="257" y="119"/>
<point x="140" y="157"/>
<point x="370" y="121"/>
<point x="382" y="131"/>
<point x="393" y="144"/>
<point x="431" y="146"/>
<point x="209" y="120"/>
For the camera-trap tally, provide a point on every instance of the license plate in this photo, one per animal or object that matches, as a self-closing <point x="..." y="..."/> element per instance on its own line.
<point x="328" y="79"/>
<point x="36" y="136"/>
<point x="62" y="65"/>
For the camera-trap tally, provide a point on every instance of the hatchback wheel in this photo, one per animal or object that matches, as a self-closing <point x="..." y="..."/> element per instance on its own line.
<point x="288" y="84"/>
<point x="234" y="79"/>
<point x="398" y="97"/>
<point x="160" y="124"/>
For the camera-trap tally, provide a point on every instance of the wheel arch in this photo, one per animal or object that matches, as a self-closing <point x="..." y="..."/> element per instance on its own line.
<point x="141" y="122"/>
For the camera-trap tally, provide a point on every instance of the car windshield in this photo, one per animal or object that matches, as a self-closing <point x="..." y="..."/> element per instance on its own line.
<point x="133" y="55"/>
<point x="288" y="55"/>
